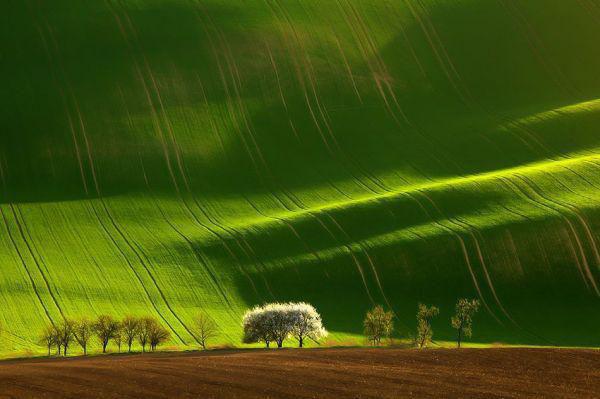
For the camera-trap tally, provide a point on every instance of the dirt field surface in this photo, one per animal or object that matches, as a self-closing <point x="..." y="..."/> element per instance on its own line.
<point x="312" y="373"/>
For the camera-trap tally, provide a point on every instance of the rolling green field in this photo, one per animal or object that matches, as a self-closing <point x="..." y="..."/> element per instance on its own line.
<point x="167" y="156"/>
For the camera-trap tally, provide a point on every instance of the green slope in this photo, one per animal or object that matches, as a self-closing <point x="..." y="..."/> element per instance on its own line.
<point x="164" y="156"/>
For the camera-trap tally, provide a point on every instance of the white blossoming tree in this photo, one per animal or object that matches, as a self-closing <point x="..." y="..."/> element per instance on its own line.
<point x="307" y="323"/>
<point x="276" y="322"/>
<point x="257" y="327"/>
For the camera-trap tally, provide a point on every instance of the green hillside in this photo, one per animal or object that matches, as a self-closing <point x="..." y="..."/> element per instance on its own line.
<point x="166" y="156"/>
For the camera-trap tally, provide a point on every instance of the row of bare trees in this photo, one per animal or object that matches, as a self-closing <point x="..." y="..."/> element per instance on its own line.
<point x="145" y="330"/>
<point x="379" y="323"/>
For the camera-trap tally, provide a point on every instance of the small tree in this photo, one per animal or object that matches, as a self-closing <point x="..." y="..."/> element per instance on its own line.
<point x="207" y="329"/>
<point x="129" y="329"/>
<point x="82" y="331"/>
<point x="49" y="337"/>
<point x="306" y="323"/>
<point x="424" y="330"/>
<point x="105" y="327"/>
<point x="157" y="335"/>
<point x="462" y="321"/>
<point x="378" y="324"/>
<point x="143" y="331"/>
<point x="119" y="337"/>
<point x="65" y="335"/>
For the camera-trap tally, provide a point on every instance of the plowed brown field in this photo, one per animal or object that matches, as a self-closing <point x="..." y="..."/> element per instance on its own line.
<point x="312" y="373"/>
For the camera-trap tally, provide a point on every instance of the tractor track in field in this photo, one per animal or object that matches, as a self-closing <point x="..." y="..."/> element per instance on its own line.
<point x="312" y="373"/>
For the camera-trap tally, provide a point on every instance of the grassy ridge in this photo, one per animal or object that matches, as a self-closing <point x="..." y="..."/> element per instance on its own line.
<point x="165" y="156"/>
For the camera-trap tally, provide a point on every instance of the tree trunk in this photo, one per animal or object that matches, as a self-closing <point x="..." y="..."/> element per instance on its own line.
<point x="104" y="346"/>
<point x="268" y="343"/>
<point x="459" y="336"/>
<point x="129" y="344"/>
<point x="300" y="341"/>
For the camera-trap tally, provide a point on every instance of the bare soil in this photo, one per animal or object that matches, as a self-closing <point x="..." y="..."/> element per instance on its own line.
<point x="312" y="373"/>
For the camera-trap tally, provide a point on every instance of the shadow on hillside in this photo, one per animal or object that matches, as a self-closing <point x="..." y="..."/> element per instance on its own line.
<point x="214" y="99"/>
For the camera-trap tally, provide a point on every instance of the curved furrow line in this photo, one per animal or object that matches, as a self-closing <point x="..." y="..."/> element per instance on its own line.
<point x="464" y="247"/>
<point x="165" y="148"/>
<point x="98" y="192"/>
<point x="528" y="184"/>
<point x="202" y="225"/>
<point x="130" y="265"/>
<point x="200" y="257"/>
<point x="196" y="220"/>
<point x="130" y="243"/>
<point x="55" y="66"/>
<point x="538" y="48"/>
<point x="289" y="226"/>
<point x="54" y="234"/>
<point x="41" y="302"/>
<point x="36" y="255"/>
<point x="371" y="264"/>
<point x="573" y="210"/>
<point x="571" y="233"/>
<point x="461" y="242"/>
<point x="578" y="213"/>
<point x="378" y="71"/>
<point x="347" y="65"/>
<point x="538" y="148"/>
<point x="235" y="78"/>
<point x="138" y="71"/>
<point x="302" y="63"/>
<point x="474" y="233"/>
<point x="468" y="99"/>
<point x="435" y="144"/>
<point x="277" y="78"/>
<point x="23" y="233"/>
<point x="409" y="43"/>
<point x="354" y="258"/>
<point x="476" y="236"/>
<point x="229" y="98"/>
<point x="174" y="142"/>
<point x="448" y="67"/>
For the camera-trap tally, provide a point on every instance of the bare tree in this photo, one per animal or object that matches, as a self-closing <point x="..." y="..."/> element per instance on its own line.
<point x="462" y="321"/>
<point x="65" y="334"/>
<point x="119" y="337"/>
<point x="157" y="335"/>
<point x="206" y="328"/>
<point x="145" y="325"/>
<point x="129" y="329"/>
<point x="105" y="328"/>
<point x="378" y="324"/>
<point x="82" y="331"/>
<point x="49" y="337"/>
<point x="424" y="330"/>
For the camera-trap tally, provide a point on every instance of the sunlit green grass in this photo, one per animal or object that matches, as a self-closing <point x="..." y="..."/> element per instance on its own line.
<point x="172" y="156"/>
